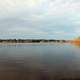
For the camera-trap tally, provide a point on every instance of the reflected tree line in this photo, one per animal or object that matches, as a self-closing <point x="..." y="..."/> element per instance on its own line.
<point x="29" y="40"/>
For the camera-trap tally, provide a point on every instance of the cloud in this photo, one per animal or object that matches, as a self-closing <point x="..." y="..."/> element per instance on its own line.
<point x="48" y="18"/>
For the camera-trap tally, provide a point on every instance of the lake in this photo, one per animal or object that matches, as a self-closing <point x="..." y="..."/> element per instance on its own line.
<point x="39" y="61"/>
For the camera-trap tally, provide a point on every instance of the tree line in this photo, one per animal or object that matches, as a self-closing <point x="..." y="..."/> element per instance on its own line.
<point x="29" y="40"/>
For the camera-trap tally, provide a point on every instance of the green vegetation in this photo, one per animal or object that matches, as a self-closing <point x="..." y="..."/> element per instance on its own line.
<point x="29" y="40"/>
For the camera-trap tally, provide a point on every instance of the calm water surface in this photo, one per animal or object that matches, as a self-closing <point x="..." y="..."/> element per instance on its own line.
<point x="39" y="62"/>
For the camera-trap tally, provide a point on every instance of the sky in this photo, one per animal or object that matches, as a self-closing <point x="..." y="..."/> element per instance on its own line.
<point x="39" y="19"/>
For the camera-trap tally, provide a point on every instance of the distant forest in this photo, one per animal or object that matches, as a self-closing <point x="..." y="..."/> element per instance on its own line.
<point x="29" y="40"/>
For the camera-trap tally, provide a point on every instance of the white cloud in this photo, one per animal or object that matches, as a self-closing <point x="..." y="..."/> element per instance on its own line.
<point x="40" y="16"/>
<point x="24" y="30"/>
<point x="77" y="31"/>
<point x="63" y="7"/>
<point x="59" y="32"/>
<point x="39" y="7"/>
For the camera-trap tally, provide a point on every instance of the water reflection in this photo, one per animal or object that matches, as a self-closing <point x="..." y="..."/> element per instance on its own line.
<point x="76" y="44"/>
<point x="39" y="62"/>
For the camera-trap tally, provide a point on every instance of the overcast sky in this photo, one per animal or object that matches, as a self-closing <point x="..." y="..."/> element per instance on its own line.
<point x="46" y="19"/>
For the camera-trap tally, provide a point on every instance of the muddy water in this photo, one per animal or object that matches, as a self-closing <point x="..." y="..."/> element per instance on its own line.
<point x="39" y="62"/>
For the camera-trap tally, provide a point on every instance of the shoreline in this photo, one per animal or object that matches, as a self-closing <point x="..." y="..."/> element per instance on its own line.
<point x="33" y="43"/>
